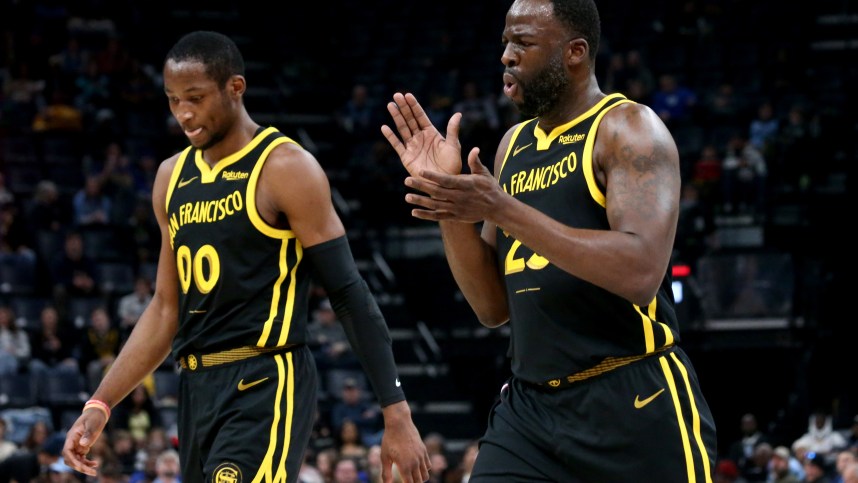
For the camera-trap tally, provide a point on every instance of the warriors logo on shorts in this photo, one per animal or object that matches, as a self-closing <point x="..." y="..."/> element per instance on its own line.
<point x="226" y="473"/>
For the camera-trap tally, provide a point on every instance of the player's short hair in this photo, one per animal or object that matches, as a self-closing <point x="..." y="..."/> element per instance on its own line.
<point x="581" y="17"/>
<point x="217" y="52"/>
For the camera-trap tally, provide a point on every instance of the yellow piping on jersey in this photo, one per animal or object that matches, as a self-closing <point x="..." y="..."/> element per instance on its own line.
<point x="587" y="158"/>
<point x="695" y="418"/>
<point x="275" y="297"/>
<point x="290" y="297"/>
<point x="543" y="141"/>
<point x="511" y="144"/>
<point x="250" y="197"/>
<point x="208" y="173"/>
<point x="174" y="176"/>
<point x="285" y="378"/>
<point x="686" y="445"/>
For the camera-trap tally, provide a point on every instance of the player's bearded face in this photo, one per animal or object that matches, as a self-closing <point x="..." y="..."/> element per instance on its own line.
<point x="542" y="91"/>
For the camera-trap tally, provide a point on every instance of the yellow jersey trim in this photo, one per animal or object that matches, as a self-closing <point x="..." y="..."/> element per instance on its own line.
<point x="174" y="176"/>
<point x="285" y="385"/>
<point x="250" y="196"/>
<point x="587" y="160"/>
<point x="543" y="140"/>
<point x="686" y="445"/>
<point x="208" y="174"/>
<point x="512" y="143"/>
<point x="695" y="419"/>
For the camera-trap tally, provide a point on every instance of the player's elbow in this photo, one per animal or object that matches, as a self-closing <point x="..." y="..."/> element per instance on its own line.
<point x="643" y="288"/>
<point x="493" y="318"/>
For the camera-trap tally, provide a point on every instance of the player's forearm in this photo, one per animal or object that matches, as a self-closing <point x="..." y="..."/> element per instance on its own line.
<point x="146" y="348"/>
<point x="622" y="263"/>
<point x="474" y="268"/>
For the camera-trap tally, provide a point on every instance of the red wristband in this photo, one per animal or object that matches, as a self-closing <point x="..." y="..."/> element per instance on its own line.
<point x="98" y="404"/>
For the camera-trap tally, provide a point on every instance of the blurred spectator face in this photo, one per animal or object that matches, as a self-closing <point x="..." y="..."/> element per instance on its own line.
<point x="50" y="319"/>
<point x="346" y="471"/>
<point x="100" y="320"/>
<point x="74" y="247"/>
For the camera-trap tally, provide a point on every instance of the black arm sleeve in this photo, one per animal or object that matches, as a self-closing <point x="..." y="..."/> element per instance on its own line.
<point x="335" y="270"/>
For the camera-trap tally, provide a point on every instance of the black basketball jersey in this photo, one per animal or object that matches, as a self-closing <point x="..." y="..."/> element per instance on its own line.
<point x="560" y="324"/>
<point x="241" y="281"/>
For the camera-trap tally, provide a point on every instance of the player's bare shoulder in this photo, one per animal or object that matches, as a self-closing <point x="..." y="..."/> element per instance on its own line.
<point x="290" y="164"/>
<point x="633" y="133"/>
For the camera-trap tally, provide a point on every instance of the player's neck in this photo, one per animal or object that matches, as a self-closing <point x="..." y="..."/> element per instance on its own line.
<point x="577" y="101"/>
<point x="239" y="136"/>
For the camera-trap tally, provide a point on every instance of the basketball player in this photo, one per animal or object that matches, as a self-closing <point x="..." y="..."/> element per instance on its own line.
<point x="245" y="215"/>
<point x="577" y="233"/>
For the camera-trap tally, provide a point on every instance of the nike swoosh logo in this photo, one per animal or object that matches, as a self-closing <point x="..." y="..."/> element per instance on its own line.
<point x="185" y="182"/>
<point x="639" y="404"/>
<point x="397" y="382"/>
<point x="242" y="386"/>
<point x="520" y="149"/>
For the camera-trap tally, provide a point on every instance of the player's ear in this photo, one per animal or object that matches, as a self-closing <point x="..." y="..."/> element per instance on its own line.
<point x="236" y="85"/>
<point x="577" y="51"/>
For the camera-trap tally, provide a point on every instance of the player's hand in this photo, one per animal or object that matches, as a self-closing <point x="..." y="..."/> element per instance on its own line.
<point x="80" y="438"/>
<point x="419" y="145"/>
<point x="401" y="445"/>
<point x="468" y="198"/>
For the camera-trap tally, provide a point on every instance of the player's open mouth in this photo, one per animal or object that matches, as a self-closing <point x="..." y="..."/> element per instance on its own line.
<point x="193" y="132"/>
<point x="510" y="85"/>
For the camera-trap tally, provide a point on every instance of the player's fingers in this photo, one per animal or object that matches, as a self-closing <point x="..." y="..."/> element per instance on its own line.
<point x="441" y="179"/>
<point x="420" y="117"/>
<point x="394" y="141"/>
<point x="474" y="163"/>
<point x="399" y="121"/>
<point x="453" y="127"/>
<point x="407" y="111"/>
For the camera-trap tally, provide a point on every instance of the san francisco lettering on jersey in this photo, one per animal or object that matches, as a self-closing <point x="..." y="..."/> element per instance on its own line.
<point x="206" y="211"/>
<point x="541" y="177"/>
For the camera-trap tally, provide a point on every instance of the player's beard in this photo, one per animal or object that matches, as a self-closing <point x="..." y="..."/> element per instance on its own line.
<point x="542" y="93"/>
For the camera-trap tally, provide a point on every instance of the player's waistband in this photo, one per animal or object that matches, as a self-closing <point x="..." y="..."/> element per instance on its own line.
<point x="195" y="361"/>
<point x="607" y="365"/>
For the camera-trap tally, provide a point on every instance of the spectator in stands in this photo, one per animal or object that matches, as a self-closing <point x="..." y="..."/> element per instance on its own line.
<point x="758" y="469"/>
<point x="27" y="466"/>
<point x="131" y="305"/>
<point x="845" y="459"/>
<point x="462" y="472"/>
<point x="45" y="212"/>
<point x="850" y="474"/>
<point x="763" y="129"/>
<point x="784" y="467"/>
<point x="744" y="177"/>
<point x="695" y="227"/>
<point x="14" y="343"/>
<point x="73" y="272"/>
<point x="98" y="346"/>
<point x="90" y="204"/>
<point x="137" y="414"/>
<point x="815" y="469"/>
<point x="347" y="470"/>
<point x="23" y="96"/>
<point x="355" y="407"/>
<point x="480" y="123"/>
<point x="350" y="440"/>
<point x="726" y="471"/>
<point x="124" y="448"/>
<point x="53" y="343"/>
<point x="820" y="439"/>
<point x="325" y="461"/>
<point x="6" y="447"/>
<point x="167" y="467"/>
<point x="36" y="436"/>
<point x="706" y="175"/>
<point x="16" y="241"/>
<point x="741" y="451"/>
<point x="373" y="464"/>
<point x="328" y="341"/>
<point x="673" y="102"/>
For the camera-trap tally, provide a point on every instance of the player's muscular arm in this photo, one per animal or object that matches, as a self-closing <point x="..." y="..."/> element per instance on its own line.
<point x="473" y="261"/>
<point x="293" y="183"/>
<point x="636" y="160"/>
<point x="150" y="341"/>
